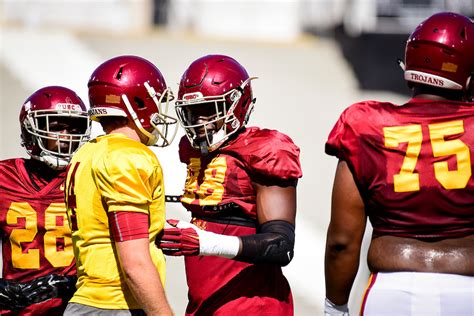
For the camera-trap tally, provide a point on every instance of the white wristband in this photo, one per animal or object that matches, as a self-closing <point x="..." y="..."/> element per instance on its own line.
<point x="211" y="244"/>
<point x="331" y="309"/>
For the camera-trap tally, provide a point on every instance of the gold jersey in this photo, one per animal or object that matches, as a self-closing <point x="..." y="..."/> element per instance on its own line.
<point x="111" y="173"/>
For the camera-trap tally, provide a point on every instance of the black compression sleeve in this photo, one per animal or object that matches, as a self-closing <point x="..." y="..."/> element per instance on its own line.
<point x="273" y="243"/>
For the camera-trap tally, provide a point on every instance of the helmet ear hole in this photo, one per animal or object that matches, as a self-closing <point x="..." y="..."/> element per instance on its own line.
<point x="448" y="52"/>
<point x="119" y="74"/>
<point x="139" y="102"/>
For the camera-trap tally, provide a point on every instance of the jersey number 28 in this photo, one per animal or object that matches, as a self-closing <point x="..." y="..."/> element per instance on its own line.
<point x="57" y="229"/>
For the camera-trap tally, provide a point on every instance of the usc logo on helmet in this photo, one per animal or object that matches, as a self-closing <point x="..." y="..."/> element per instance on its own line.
<point x="68" y="106"/>
<point x="193" y="96"/>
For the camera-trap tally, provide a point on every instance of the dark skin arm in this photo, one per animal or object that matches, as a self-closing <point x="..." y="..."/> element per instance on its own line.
<point x="344" y="236"/>
<point x="275" y="203"/>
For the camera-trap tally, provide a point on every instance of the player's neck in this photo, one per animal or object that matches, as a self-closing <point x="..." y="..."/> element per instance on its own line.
<point x="436" y="93"/>
<point x="127" y="131"/>
<point x="426" y="96"/>
<point x="40" y="173"/>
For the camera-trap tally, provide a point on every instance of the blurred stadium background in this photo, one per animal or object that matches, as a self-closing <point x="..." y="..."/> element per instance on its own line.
<point x="313" y="59"/>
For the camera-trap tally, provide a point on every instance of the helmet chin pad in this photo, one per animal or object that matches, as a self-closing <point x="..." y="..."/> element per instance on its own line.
<point x="211" y="141"/>
<point x="55" y="163"/>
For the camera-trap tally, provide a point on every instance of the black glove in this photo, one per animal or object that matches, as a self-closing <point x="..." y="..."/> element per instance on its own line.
<point x="11" y="296"/>
<point x="49" y="286"/>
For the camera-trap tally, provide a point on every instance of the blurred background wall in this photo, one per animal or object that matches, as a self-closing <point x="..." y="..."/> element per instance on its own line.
<point x="313" y="59"/>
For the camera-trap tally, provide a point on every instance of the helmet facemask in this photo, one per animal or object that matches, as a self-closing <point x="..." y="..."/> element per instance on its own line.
<point x="46" y="127"/>
<point x="164" y="125"/>
<point x="221" y="120"/>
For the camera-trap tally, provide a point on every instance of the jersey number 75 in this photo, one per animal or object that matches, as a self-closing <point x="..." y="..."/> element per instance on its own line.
<point x="407" y="179"/>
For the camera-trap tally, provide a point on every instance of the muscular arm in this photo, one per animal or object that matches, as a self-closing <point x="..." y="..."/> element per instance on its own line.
<point x="273" y="243"/>
<point x="142" y="277"/>
<point x="344" y="236"/>
<point x="276" y="203"/>
<point x="275" y="238"/>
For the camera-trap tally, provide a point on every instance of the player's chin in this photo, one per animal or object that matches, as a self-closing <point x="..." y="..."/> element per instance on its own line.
<point x="65" y="148"/>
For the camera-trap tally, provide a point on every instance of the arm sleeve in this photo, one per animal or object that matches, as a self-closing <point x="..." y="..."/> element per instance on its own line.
<point x="273" y="243"/>
<point x="128" y="225"/>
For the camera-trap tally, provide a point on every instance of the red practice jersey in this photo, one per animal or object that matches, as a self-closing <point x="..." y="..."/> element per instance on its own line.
<point x="412" y="165"/>
<point x="220" y="187"/>
<point x="36" y="239"/>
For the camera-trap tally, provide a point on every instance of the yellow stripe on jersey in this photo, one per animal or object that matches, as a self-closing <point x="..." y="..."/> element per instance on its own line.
<point x="113" y="173"/>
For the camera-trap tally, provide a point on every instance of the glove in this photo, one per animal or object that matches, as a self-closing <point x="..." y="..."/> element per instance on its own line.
<point x="11" y="296"/>
<point x="49" y="286"/>
<point x="181" y="240"/>
<point x="331" y="309"/>
<point x="186" y="239"/>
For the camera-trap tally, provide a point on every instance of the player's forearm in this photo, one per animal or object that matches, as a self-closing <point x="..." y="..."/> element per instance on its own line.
<point x="142" y="277"/>
<point x="145" y="284"/>
<point x="273" y="243"/>
<point x="341" y="266"/>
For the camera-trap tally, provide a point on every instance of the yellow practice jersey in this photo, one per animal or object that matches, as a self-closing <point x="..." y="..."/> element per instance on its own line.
<point x="111" y="173"/>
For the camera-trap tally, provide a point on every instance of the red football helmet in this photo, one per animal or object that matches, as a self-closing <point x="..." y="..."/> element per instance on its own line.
<point x="219" y="81"/>
<point x="133" y="87"/>
<point x="440" y="52"/>
<point x="54" y="123"/>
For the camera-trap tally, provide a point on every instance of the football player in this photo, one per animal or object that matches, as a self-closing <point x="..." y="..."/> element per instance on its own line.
<point x="115" y="195"/>
<point x="408" y="169"/>
<point x="38" y="260"/>
<point x="241" y="191"/>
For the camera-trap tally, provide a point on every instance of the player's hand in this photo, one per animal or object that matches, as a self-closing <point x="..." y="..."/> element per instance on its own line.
<point x="49" y="286"/>
<point x="181" y="240"/>
<point x="186" y="239"/>
<point x="11" y="296"/>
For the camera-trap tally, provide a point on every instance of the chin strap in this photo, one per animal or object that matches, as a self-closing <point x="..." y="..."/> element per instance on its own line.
<point x="203" y="148"/>
<point x="55" y="163"/>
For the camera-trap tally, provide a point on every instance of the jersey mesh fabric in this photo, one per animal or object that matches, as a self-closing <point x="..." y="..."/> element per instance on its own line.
<point x="36" y="239"/>
<point x="111" y="174"/>
<point x="227" y="175"/>
<point x="412" y="165"/>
